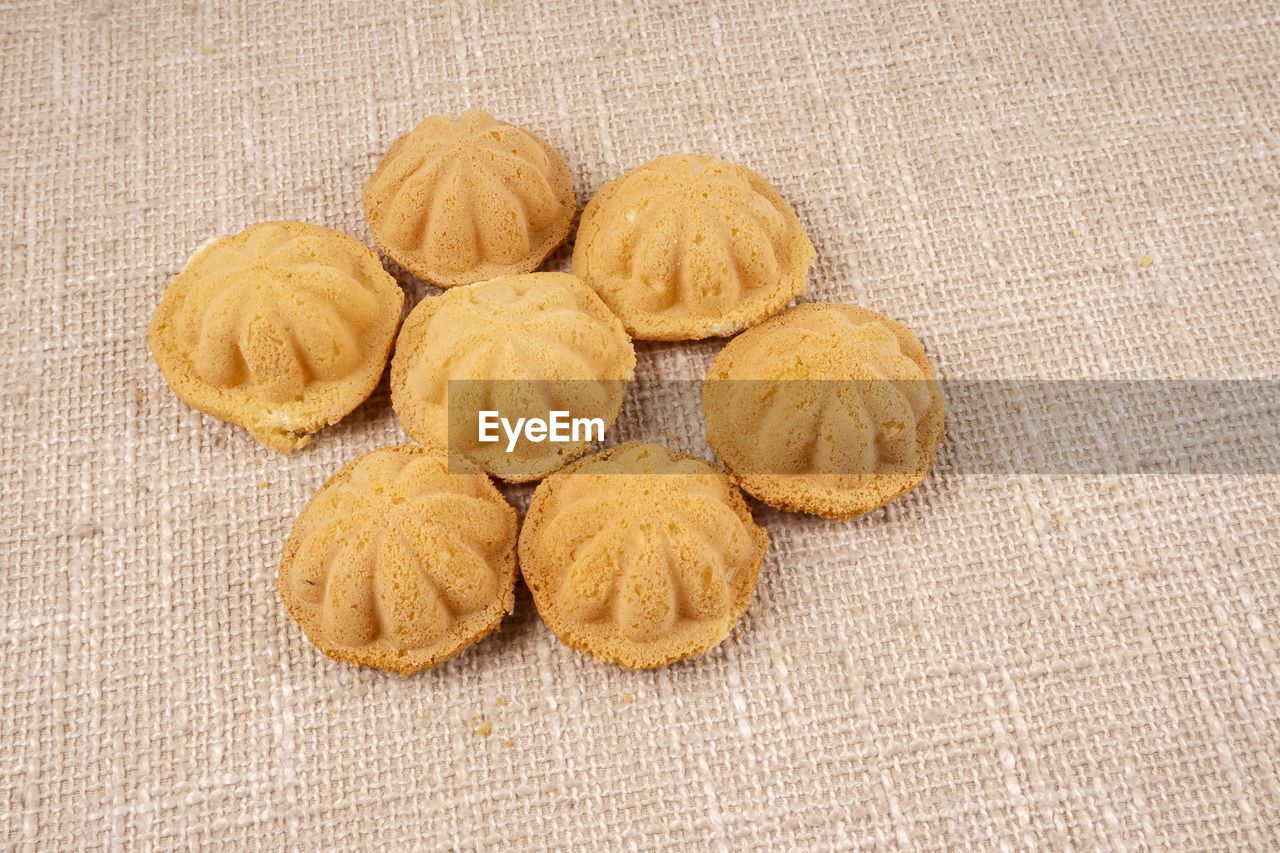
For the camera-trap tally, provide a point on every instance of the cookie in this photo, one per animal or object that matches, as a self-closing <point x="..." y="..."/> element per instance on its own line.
<point x="283" y="328"/>
<point x="398" y="564"/>
<point x="640" y="556"/>
<point x="826" y="409"/>
<point x="691" y="247"/>
<point x="523" y="346"/>
<point x="455" y="202"/>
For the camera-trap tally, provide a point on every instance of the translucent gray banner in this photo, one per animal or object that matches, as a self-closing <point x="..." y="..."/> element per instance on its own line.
<point x="1083" y="427"/>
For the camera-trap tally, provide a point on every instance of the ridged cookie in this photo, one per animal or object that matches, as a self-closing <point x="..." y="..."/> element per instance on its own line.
<point x="521" y="345"/>
<point x="640" y="555"/>
<point x="455" y="202"/>
<point x="689" y="247"/>
<point x="283" y="328"/>
<point x="398" y="564"/>
<point x="826" y="409"/>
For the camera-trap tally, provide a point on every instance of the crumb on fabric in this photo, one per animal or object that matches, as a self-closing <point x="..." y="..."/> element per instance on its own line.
<point x="207" y="49"/>
<point x="501" y="701"/>
<point x="508" y="742"/>
<point x="1147" y="260"/>
<point x="262" y="484"/>
<point x="628" y="699"/>
<point x="1075" y="232"/>
<point x="480" y="727"/>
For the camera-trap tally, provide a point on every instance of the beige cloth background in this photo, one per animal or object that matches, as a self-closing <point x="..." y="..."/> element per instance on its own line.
<point x="1084" y="662"/>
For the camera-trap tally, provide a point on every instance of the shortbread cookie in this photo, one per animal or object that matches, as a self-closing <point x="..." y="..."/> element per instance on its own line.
<point x="283" y="328"/>
<point x="640" y="555"/>
<point x="524" y="346"/>
<point x="455" y="202"/>
<point x="691" y="247"/>
<point x="398" y="564"/>
<point x="827" y="409"/>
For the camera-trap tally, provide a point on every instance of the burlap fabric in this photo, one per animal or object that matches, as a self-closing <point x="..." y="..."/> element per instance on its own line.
<point x="1082" y="190"/>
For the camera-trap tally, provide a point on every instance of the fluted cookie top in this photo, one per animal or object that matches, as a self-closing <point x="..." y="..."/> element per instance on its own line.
<point x="398" y="564"/>
<point x="690" y="247"/>
<point x="640" y="555"/>
<point x="283" y="328"/>
<point x="459" y="201"/>
<point x="522" y="345"/>
<point x="826" y="409"/>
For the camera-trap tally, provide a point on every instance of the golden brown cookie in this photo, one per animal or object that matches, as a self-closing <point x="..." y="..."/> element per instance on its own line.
<point x="398" y="564"/>
<point x="455" y="202"/>
<point x="283" y="328"/>
<point x="827" y="409"/>
<point x="640" y="555"/>
<point x="691" y="247"/>
<point x="547" y="328"/>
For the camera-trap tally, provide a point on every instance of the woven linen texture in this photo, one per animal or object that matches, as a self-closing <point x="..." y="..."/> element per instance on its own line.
<point x="1069" y="190"/>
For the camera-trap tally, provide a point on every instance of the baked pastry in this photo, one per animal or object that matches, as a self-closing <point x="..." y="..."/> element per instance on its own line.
<point x="521" y="346"/>
<point x="640" y="555"/>
<point x="827" y="409"/>
<point x="283" y="328"/>
<point x="455" y="202"/>
<point x="398" y="564"/>
<point x="691" y="247"/>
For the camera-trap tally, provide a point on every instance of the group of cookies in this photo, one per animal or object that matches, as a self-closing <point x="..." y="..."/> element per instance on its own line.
<point x="638" y="555"/>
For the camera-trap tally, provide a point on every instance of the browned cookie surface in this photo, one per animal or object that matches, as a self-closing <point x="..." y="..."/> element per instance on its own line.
<point x="398" y="564"/>
<point x="455" y="201"/>
<point x="690" y="247"/>
<point x="283" y="328"/>
<point x="640" y="555"/>
<point x="825" y="409"/>
<point x="523" y="346"/>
